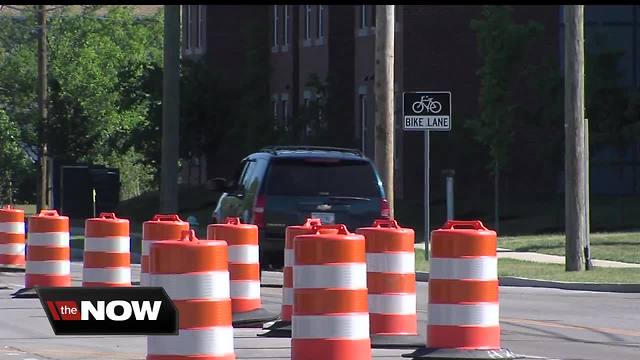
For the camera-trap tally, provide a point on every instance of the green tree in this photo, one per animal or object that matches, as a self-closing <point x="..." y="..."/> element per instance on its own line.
<point x="606" y="99"/>
<point x="13" y="160"/>
<point x="310" y="126"/>
<point x="502" y="45"/>
<point x="101" y="109"/>
<point x="206" y="109"/>
<point x="253" y="116"/>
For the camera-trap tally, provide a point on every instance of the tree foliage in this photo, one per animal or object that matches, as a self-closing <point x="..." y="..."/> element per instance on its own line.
<point x="502" y="45"/>
<point x="101" y="107"/>
<point x="14" y="164"/>
<point x="222" y="118"/>
<point x="609" y="105"/>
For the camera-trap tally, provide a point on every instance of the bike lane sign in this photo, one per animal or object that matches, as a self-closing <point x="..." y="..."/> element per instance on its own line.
<point x="426" y="110"/>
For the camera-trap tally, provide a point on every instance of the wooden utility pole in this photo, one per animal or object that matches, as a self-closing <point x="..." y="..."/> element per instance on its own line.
<point x="575" y="219"/>
<point x="43" y="183"/>
<point x="170" y="110"/>
<point x="587" y="233"/>
<point x="384" y="131"/>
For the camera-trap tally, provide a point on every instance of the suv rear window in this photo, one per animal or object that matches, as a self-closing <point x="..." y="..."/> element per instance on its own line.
<point x="322" y="177"/>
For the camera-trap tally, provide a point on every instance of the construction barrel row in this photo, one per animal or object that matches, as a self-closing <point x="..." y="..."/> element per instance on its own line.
<point x="339" y="288"/>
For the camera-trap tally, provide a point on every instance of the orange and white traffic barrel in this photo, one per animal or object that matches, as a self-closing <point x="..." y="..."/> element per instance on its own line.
<point x="330" y="312"/>
<point x="244" y="262"/>
<point x="195" y="276"/>
<point x="463" y="304"/>
<point x="284" y="324"/>
<point x="287" y="272"/>
<point x="48" y="255"/>
<point x="160" y="227"/>
<point x="391" y="278"/>
<point x="12" y="242"/>
<point x="107" y="262"/>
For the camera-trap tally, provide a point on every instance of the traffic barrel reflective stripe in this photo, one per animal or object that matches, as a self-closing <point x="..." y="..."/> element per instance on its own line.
<point x="12" y="241"/>
<point x="287" y="283"/>
<point x="48" y="255"/>
<point x="391" y="278"/>
<point x="244" y="262"/>
<point x="160" y="227"/>
<point x="463" y="308"/>
<point x="330" y="311"/>
<point x="106" y="261"/>
<point x="195" y="275"/>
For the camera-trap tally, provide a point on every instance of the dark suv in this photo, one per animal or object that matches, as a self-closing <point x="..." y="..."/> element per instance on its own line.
<point x="281" y="186"/>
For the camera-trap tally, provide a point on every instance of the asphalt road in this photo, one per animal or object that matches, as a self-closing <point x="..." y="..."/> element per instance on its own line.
<point x="538" y="323"/>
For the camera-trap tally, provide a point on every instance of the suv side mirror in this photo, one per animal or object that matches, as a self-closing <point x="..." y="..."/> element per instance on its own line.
<point x="218" y="184"/>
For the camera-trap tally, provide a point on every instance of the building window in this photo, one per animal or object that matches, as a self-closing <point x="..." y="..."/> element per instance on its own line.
<point x="363" y="119"/>
<point x="285" y="40"/>
<point x="188" y="29"/>
<point x="320" y="21"/>
<point x="363" y="16"/>
<point x="373" y="16"/>
<point x="197" y="27"/>
<point x="274" y="103"/>
<point x="201" y="26"/>
<point x="320" y="103"/>
<point x="307" y="19"/>
<point x="285" y="114"/>
<point x="275" y="25"/>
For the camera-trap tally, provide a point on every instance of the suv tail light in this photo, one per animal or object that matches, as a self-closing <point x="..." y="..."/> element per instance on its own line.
<point x="385" y="211"/>
<point x="258" y="211"/>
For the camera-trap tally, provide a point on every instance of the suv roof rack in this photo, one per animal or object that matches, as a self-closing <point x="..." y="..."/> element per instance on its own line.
<point x="274" y="149"/>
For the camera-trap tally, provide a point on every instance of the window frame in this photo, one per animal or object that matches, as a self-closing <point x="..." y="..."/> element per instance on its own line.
<point x="307" y="22"/>
<point x="187" y="34"/>
<point x="200" y="40"/>
<point x="285" y="39"/>
<point x="274" y="103"/>
<point x="274" y="39"/>
<point x="320" y="25"/>
<point x="285" y="113"/>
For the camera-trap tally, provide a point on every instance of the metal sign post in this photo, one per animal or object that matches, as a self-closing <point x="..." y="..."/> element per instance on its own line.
<point x="427" y="215"/>
<point x="426" y="111"/>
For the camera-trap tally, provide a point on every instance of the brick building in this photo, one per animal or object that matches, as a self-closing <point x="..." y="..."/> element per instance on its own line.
<point x="435" y="50"/>
<point x="338" y="41"/>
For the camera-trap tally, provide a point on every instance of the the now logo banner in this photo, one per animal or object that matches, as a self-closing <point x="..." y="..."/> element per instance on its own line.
<point x="109" y="311"/>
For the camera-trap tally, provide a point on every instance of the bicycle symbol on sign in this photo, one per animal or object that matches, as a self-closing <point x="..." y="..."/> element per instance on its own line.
<point x="426" y="103"/>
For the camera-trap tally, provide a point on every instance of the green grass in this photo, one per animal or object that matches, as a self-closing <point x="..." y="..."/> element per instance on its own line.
<point x="29" y="209"/>
<point x="192" y="201"/>
<point x="623" y="247"/>
<point x="520" y="215"/>
<point x="533" y="270"/>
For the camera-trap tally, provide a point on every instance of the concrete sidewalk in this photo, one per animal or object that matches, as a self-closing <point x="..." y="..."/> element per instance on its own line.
<point x="549" y="259"/>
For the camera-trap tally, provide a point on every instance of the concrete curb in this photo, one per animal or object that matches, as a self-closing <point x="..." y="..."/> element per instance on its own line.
<point x="524" y="282"/>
